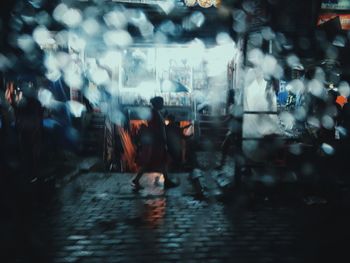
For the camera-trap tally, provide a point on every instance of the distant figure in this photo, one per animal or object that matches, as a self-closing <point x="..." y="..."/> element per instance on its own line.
<point x="331" y="109"/>
<point x="232" y="135"/>
<point x="233" y="125"/>
<point x="176" y="140"/>
<point x="346" y="121"/>
<point x="29" y="116"/>
<point x="155" y="153"/>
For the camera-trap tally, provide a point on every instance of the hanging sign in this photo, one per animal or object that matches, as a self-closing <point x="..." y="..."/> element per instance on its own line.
<point x="344" y="19"/>
<point x="336" y="4"/>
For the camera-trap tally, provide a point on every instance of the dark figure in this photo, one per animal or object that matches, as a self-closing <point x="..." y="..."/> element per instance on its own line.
<point x="154" y="154"/>
<point x="176" y="140"/>
<point x="3" y="130"/>
<point x="29" y="116"/>
<point x="232" y="135"/>
<point x="346" y="120"/>
<point x="331" y="109"/>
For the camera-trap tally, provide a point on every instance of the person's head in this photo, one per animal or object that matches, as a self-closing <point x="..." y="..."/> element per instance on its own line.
<point x="157" y="103"/>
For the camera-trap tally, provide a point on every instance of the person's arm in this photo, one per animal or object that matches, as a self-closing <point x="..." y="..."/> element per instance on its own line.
<point x="185" y="127"/>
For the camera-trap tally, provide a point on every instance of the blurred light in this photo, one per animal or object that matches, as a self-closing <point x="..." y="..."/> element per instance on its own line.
<point x="73" y="77"/>
<point x="118" y="38"/>
<point x="269" y="65"/>
<point x="255" y="56"/>
<point x="160" y="38"/>
<point x="62" y="38"/>
<point x="327" y="122"/>
<point x="196" y="49"/>
<point x="45" y="97"/>
<point x="167" y="6"/>
<point x="197" y="18"/>
<point x="4" y="62"/>
<point x="256" y="39"/>
<point x="147" y="29"/>
<point x="224" y="38"/>
<point x="344" y="89"/>
<point x="239" y="14"/>
<point x="190" y="3"/>
<point x="25" y="42"/>
<point x="28" y="19"/>
<point x="62" y="59"/>
<point x="43" y="18"/>
<point x="42" y="36"/>
<point x="115" y="19"/>
<point x="293" y="61"/>
<point x="168" y="27"/>
<point x="240" y="26"/>
<point x="320" y="75"/>
<point x="136" y="17"/>
<point x="287" y="120"/>
<point x="218" y="57"/>
<point x="300" y="114"/>
<point x="72" y="17"/>
<point x="316" y="88"/>
<point x="267" y="33"/>
<point x="53" y="75"/>
<point x="327" y="149"/>
<point x="76" y="43"/>
<point x="91" y="26"/>
<point x="205" y="3"/>
<point x="313" y="122"/>
<point x="36" y="3"/>
<point x="52" y="67"/>
<point x="92" y="94"/>
<point x="148" y="88"/>
<point x="117" y="117"/>
<point x="99" y="76"/>
<point x="339" y="41"/>
<point x="249" y="6"/>
<point x="76" y="108"/>
<point x="110" y="59"/>
<point x="59" y="11"/>
<point x="295" y="86"/>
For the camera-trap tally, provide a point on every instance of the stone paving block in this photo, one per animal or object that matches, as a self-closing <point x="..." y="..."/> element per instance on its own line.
<point x="75" y="247"/>
<point x="82" y="253"/>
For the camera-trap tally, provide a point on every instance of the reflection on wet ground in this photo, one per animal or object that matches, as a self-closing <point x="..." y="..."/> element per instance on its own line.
<point x="98" y="218"/>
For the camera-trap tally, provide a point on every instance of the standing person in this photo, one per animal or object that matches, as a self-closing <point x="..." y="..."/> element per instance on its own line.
<point x="29" y="116"/>
<point x="155" y="160"/>
<point x="234" y="122"/>
<point x="229" y="138"/>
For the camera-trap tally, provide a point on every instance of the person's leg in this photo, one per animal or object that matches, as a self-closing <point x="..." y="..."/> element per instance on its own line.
<point x="167" y="182"/>
<point x="136" y="180"/>
<point x="224" y="150"/>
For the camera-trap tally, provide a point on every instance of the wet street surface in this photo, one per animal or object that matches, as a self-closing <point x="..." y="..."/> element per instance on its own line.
<point x="98" y="218"/>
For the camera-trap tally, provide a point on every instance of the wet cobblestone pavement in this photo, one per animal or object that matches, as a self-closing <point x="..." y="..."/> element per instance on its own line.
<point x="98" y="218"/>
